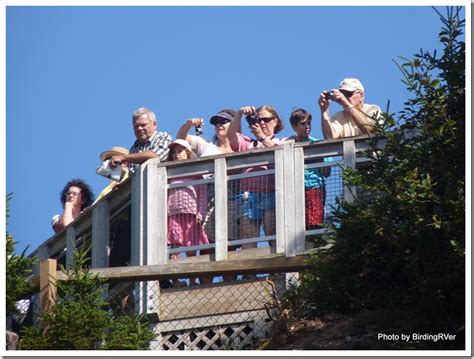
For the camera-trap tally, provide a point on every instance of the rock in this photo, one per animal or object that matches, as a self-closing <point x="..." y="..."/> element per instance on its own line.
<point x="12" y="340"/>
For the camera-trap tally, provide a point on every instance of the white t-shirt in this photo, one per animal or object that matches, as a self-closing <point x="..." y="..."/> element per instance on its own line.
<point x="203" y="148"/>
<point x="343" y="123"/>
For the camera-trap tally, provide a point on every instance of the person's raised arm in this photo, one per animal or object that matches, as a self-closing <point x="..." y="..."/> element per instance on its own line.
<point x="183" y="132"/>
<point x="236" y="124"/>
<point x="328" y="131"/>
<point x="68" y="214"/>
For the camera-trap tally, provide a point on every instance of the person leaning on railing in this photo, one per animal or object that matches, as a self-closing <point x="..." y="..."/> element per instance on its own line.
<point x="75" y="197"/>
<point x="257" y="193"/>
<point x="357" y="117"/>
<point x="314" y="178"/>
<point x="149" y="143"/>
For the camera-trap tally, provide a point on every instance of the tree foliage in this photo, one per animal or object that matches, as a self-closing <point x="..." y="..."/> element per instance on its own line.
<point x="403" y="245"/>
<point x="81" y="319"/>
<point x="18" y="269"/>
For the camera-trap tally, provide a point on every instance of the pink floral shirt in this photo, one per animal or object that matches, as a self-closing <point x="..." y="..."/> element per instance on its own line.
<point x="189" y="199"/>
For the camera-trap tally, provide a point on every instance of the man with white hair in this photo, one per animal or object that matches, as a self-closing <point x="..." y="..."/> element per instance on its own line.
<point x="149" y="143"/>
<point x="357" y="118"/>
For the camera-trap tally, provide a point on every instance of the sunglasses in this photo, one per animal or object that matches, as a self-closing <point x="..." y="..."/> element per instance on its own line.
<point x="266" y="119"/>
<point x="221" y="122"/>
<point x="347" y="94"/>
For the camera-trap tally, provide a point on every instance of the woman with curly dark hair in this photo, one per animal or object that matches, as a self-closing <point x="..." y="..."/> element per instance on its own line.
<point x="75" y="196"/>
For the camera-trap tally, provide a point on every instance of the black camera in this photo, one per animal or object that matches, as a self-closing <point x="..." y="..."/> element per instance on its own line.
<point x="328" y="95"/>
<point x="198" y="130"/>
<point x="252" y="119"/>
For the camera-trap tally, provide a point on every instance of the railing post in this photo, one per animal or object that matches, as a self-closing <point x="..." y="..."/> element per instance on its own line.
<point x="279" y="201"/>
<point x="289" y="195"/>
<point x="149" y="227"/>
<point x="285" y="200"/>
<point x="220" y="200"/>
<point x="137" y="215"/>
<point x="300" y="206"/>
<point x="157" y="218"/>
<point x="101" y="235"/>
<point x="70" y="246"/>
<point x="47" y="284"/>
<point x="43" y="254"/>
<point x="348" y="148"/>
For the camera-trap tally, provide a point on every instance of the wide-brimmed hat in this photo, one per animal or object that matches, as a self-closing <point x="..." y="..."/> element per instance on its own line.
<point x="351" y="85"/>
<point x="113" y="151"/>
<point x="180" y="142"/>
<point x="226" y="114"/>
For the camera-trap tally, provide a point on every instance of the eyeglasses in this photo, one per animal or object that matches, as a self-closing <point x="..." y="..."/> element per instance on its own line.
<point x="221" y="122"/>
<point x="265" y="119"/>
<point x="74" y="194"/>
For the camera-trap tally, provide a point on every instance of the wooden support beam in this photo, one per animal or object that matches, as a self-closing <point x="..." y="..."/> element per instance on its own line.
<point x="48" y="276"/>
<point x="272" y="264"/>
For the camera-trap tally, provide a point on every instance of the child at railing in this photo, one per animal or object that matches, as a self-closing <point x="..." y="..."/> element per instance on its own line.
<point x="314" y="182"/>
<point x="186" y="206"/>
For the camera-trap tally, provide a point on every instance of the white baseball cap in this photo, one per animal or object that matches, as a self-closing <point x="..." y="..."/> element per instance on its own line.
<point x="351" y="84"/>
<point x="180" y="142"/>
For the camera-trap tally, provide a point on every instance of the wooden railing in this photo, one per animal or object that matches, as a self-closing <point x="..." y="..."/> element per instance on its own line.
<point x="146" y="193"/>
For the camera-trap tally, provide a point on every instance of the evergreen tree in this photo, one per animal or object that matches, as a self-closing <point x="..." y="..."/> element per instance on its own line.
<point x="81" y="319"/>
<point x="403" y="246"/>
<point x="18" y="269"/>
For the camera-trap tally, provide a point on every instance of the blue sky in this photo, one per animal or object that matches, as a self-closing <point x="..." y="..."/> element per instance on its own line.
<point x="75" y="75"/>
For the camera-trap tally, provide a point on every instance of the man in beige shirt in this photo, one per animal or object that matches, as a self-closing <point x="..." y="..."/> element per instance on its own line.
<point x="357" y="117"/>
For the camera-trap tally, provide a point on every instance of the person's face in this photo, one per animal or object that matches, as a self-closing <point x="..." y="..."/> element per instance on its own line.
<point x="143" y="128"/>
<point x="267" y="122"/>
<point x="179" y="153"/>
<point x="355" y="97"/>
<point x="303" y="128"/>
<point x="221" y="126"/>
<point x="74" y="195"/>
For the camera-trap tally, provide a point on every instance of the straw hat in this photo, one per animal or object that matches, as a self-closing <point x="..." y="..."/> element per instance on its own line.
<point x="113" y="151"/>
